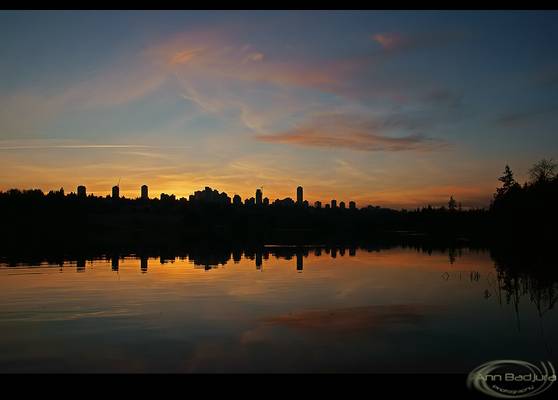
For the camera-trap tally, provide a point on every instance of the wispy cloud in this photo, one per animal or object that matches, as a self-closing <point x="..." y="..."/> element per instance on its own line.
<point x="355" y="133"/>
<point x="444" y="98"/>
<point x="218" y="55"/>
<point x="392" y="41"/>
<point x="64" y="144"/>
<point x="516" y="119"/>
<point x="78" y="146"/>
<point x="121" y="86"/>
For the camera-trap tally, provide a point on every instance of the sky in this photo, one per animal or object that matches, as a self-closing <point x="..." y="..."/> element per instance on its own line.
<point x="397" y="109"/>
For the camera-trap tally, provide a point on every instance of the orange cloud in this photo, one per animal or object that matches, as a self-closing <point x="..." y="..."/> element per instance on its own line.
<point x="182" y="57"/>
<point x="394" y="41"/>
<point x="355" y="141"/>
<point x="204" y="55"/>
<point x="391" y="41"/>
<point x="350" y="132"/>
<point x="254" y="57"/>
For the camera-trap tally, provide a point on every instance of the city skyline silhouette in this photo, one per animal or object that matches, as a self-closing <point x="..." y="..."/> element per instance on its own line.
<point x="202" y="102"/>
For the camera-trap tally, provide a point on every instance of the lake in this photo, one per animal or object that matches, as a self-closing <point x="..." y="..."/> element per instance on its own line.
<point x="280" y="309"/>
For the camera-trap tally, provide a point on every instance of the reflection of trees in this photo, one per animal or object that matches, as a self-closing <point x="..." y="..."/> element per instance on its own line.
<point x="212" y="255"/>
<point x="526" y="273"/>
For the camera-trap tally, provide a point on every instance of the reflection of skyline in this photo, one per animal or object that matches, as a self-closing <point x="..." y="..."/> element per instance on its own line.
<point x="214" y="257"/>
<point x="367" y="308"/>
<point x="207" y="259"/>
<point x="507" y="284"/>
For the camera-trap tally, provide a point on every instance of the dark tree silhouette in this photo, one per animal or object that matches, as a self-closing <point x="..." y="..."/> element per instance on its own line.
<point x="543" y="171"/>
<point x="452" y="204"/>
<point x="508" y="182"/>
<point x="30" y="217"/>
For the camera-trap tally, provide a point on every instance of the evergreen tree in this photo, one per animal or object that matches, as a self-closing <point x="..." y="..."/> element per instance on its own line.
<point x="452" y="204"/>
<point x="508" y="182"/>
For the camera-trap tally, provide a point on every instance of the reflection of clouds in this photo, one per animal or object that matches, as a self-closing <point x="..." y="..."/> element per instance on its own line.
<point x="197" y="321"/>
<point x="354" y="320"/>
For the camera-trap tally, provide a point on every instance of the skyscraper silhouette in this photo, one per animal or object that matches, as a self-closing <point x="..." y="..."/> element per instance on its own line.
<point x="144" y="194"/>
<point x="258" y="197"/>
<point x="299" y="196"/>
<point x="333" y="203"/>
<point x="81" y="191"/>
<point x="115" y="192"/>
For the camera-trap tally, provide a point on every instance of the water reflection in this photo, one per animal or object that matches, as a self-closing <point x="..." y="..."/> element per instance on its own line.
<point x="208" y="257"/>
<point x="277" y="309"/>
<point x="516" y="274"/>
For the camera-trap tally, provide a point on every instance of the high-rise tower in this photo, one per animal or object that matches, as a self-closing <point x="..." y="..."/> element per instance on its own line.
<point x="299" y="195"/>
<point x="115" y="192"/>
<point x="81" y="191"/>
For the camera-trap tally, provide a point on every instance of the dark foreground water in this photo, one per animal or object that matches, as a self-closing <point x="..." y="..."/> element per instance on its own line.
<point x="395" y="310"/>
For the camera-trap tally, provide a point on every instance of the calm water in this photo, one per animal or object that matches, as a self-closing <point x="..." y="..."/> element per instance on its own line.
<point x="392" y="310"/>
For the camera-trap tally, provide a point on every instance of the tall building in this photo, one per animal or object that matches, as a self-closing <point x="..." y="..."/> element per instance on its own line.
<point x="342" y="205"/>
<point x="333" y="203"/>
<point x="299" y="196"/>
<point x="115" y="192"/>
<point x="265" y="201"/>
<point x="237" y="200"/>
<point x="81" y="191"/>
<point x="144" y="193"/>
<point x="318" y="204"/>
<point x="352" y="205"/>
<point x="258" y="197"/>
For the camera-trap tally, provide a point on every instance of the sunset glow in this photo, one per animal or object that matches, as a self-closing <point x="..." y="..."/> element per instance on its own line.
<point x="375" y="107"/>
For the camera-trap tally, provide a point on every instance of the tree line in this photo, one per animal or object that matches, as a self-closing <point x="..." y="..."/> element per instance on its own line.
<point x="516" y="211"/>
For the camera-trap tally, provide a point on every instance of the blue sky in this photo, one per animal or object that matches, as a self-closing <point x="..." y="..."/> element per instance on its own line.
<point x="396" y="108"/>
